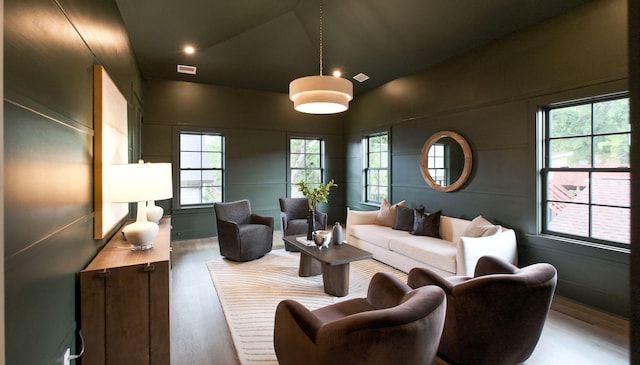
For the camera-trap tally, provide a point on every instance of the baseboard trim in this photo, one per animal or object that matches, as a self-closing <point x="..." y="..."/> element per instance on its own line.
<point x="595" y="317"/>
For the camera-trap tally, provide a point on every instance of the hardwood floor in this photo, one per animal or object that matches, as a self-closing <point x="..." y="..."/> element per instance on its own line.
<point x="199" y="331"/>
<point x="200" y="335"/>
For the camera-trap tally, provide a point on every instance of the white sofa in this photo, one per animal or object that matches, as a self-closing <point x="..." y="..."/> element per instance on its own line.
<point x="450" y="255"/>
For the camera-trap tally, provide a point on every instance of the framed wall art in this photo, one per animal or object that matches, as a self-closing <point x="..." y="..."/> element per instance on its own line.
<point x="110" y="147"/>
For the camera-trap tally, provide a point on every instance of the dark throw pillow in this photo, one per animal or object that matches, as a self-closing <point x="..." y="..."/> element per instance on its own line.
<point x="425" y="224"/>
<point x="404" y="218"/>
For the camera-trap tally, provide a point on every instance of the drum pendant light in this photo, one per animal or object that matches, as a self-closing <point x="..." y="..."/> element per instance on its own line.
<point x="321" y="94"/>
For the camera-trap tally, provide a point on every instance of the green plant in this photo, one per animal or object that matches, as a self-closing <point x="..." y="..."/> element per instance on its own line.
<point x="317" y="194"/>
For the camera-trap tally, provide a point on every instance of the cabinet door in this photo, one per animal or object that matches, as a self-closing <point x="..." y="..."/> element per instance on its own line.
<point x="159" y="280"/>
<point x="92" y="316"/>
<point x="127" y="316"/>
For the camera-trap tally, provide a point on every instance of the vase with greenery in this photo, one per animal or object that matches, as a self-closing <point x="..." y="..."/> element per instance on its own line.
<point x="314" y="194"/>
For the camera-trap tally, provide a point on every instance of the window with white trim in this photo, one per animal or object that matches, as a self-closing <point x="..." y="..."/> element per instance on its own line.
<point x="201" y="168"/>
<point x="305" y="163"/>
<point x="585" y="177"/>
<point x="376" y="167"/>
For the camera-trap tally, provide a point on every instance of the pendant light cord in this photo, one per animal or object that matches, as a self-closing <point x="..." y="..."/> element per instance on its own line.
<point x="320" y="37"/>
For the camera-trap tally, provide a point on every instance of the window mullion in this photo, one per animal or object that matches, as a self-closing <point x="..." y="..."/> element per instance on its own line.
<point x="590" y="201"/>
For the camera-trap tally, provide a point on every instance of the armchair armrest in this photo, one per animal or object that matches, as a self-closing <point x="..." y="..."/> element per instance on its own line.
<point x="470" y="249"/>
<point x="386" y="291"/>
<point x="489" y="265"/>
<point x="422" y="276"/>
<point x="259" y="219"/>
<point x="291" y="314"/>
<point x="283" y="221"/>
<point x="321" y="218"/>
<point x="228" y="231"/>
<point x="370" y="325"/>
<point x="455" y="286"/>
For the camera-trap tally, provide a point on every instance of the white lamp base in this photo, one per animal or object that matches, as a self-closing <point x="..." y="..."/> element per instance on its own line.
<point x="154" y="212"/>
<point x="141" y="235"/>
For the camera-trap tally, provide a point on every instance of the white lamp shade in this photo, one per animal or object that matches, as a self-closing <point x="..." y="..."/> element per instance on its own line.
<point x="321" y="94"/>
<point x="138" y="182"/>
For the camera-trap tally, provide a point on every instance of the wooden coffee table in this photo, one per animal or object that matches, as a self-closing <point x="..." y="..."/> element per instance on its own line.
<point x="332" y="262"/>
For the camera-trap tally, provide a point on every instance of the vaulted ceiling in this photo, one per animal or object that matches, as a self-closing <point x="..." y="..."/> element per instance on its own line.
<point x="265" y="44"/>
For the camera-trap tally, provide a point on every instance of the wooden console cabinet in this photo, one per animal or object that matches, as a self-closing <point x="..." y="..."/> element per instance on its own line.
<point x="124" y="309"/>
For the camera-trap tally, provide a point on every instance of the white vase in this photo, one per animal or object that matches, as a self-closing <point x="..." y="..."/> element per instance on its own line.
<point x="154" y="212"/>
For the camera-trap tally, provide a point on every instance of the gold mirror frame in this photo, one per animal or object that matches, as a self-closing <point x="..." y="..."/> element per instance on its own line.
<point x="468" y="161"/>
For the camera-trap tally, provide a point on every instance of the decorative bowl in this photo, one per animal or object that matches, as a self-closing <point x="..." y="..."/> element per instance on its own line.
<point x="321" y="238"/>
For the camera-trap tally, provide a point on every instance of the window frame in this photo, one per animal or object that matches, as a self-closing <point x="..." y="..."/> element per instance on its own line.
<point x="440" y="152"/>
<point x="366" y="168"/>
<point x="292" y="190"/>
<point x="179" y="168"/>
<point x="545" y="170"/>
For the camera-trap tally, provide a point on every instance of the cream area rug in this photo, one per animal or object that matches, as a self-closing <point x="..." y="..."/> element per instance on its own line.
<point x="250" y="291"/>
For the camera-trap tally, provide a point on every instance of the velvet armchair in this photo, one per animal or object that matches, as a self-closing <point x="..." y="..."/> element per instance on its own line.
<point x="392" y="325"/>
<point x="495" y="317"/>
<point x="294" y="213"/>
<point x="242" y="235"/>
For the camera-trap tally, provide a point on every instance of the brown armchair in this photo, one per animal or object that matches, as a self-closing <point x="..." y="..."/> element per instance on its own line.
<point x="497" y="316"/>
<point x="294" y="213"/>
<point x="392" y="325"/>
<point x="242" y="235"/>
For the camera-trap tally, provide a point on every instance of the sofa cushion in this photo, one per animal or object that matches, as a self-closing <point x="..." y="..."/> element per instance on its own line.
<point x="387" y="213"/>
<point x="404" y="218"/>
<point x="426" y="224"/>
<point x="434" y="251"/>
<point x="375" y="234"/>
<point x="481" y="227"/>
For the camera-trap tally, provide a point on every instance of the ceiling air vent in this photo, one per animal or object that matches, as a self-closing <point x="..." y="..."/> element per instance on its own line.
<point x="361" y="77"/>
<point x="184" y="69"/>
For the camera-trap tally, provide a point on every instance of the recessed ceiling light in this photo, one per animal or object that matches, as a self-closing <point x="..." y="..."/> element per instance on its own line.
<point x="361" y="77"/>
<point x="184" y="69"/>
<point x="189" y="50"/>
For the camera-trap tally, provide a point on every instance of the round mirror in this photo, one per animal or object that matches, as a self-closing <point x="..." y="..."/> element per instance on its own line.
<point x="445" y="161"/>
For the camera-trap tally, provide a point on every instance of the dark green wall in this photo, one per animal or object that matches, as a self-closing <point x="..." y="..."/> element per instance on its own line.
<point x="49" y="51"/>
<point x="256" y="126"/>
<point x="490" y="96"/>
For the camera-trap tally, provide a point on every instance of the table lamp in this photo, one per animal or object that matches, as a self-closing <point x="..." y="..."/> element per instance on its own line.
<point x="154" y="212"/>
<point x="138" y="183"/>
